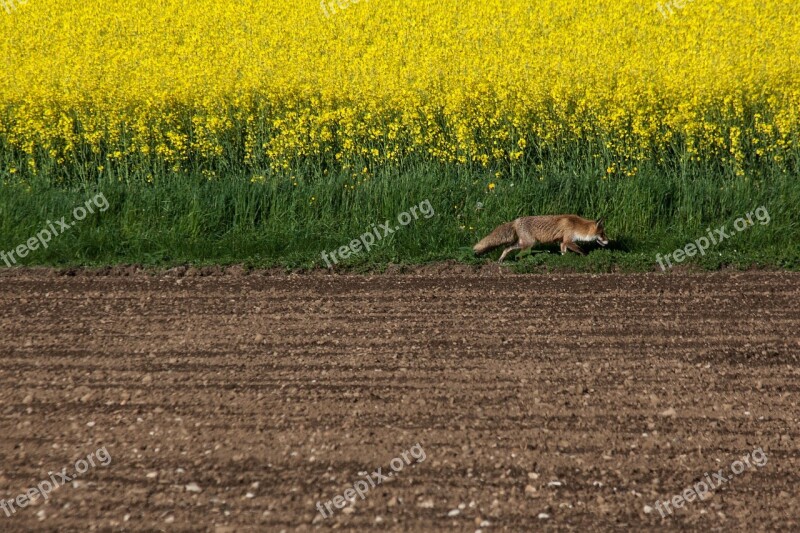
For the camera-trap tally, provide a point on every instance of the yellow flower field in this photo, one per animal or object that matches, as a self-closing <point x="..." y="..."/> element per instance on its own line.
<point x="369" y="83"/>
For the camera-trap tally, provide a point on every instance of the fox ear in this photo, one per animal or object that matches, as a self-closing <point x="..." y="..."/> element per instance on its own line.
<point x="601" y="221"/>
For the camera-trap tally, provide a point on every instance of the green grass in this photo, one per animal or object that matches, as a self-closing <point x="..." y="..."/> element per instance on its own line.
<point x="188" y="219"/>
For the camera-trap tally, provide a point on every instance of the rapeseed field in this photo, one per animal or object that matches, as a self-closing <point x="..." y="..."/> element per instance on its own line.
<point x="273" y="129"/>
<point x="367" y="84"/>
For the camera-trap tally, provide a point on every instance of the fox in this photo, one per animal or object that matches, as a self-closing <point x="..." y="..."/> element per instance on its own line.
<point x="525" y="232"/>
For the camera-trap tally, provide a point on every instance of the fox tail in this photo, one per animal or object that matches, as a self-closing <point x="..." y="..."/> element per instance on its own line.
<point x="502" y="234"/>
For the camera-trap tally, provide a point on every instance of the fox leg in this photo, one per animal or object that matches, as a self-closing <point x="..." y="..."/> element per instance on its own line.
<point x="522" y="244"/>
<point x="509" y="250"/>
<point x="572" y="246"/>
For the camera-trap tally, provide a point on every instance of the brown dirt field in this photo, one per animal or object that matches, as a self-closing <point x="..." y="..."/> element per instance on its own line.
<point x="236" y="402"/>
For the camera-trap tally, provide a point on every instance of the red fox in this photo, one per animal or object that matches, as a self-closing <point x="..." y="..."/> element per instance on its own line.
<point x="525" y="232"/>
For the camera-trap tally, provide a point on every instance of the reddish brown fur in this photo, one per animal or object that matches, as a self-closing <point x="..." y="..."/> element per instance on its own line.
<point x="526" y="232"/>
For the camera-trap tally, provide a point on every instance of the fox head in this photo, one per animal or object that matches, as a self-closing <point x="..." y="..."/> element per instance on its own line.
<point x="600" y="232"/>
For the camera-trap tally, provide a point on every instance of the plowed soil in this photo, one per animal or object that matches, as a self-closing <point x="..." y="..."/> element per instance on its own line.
<point x="234" y="401"/>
